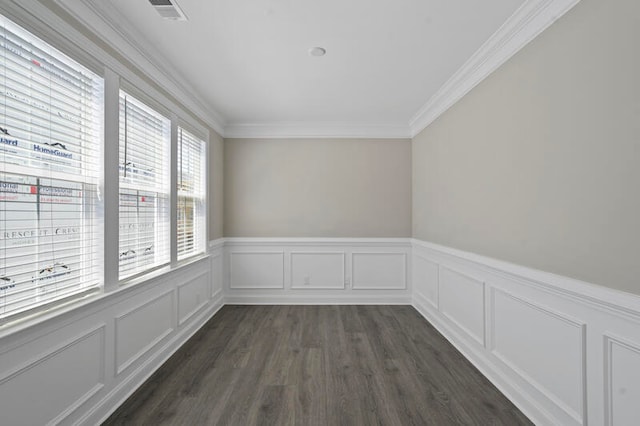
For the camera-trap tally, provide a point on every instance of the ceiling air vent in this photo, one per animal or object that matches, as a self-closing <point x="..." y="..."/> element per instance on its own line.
<point x="168" y="9"/>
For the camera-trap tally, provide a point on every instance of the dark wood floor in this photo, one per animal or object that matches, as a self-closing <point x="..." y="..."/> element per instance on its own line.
<point x="317" y="365"/>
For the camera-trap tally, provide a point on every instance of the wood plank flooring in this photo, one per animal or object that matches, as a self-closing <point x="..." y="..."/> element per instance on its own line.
<point x="317" y="365"/>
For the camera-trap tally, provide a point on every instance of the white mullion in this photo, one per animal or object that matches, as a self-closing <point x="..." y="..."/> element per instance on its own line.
<point x="111" y="179"/>
<point x="173" y="185"/>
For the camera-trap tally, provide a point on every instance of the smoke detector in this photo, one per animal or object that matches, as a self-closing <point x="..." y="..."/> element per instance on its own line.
<point x="168" y="9"/>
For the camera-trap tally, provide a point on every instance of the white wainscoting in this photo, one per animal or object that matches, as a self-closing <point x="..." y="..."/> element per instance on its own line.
<point x="256" y="269"/>
<point x="564" y="351"/>
<point x="317" y="270"/>
<point x="78" y="364"/>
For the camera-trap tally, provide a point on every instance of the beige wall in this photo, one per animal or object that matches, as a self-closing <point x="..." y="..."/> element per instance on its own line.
<point x="317" y="188"/>
<point x="540" y="164"/>
<point x="216" y="185"/>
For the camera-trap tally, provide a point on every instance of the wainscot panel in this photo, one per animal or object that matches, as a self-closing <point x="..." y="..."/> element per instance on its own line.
<point x="139" y="329"/>
<point x="256" y="269"/>
<point x="50" y="386"/>
<point x="193" y="296"/>
<point x="622" y="381"/>
<point x="564" y="351"/>
<point x="77" y="364"/>
<point x="461" y="300"/>
<point x="317" y="270"/>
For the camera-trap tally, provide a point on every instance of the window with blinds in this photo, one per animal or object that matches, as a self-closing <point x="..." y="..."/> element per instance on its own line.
<point x="51" y="115"/>
<point x="145" y="140"/>
<point x="191" y="195"/>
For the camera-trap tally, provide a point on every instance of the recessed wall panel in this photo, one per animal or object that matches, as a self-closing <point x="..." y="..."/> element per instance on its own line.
<point x="257" y="270"/>
<point x="379" y="271"/>
<point x="317" y="270"/>
<point x="462" y="302"/>
<point x="623" y="386"/>
<point x="140" y="329"/>
<point x="543" y="347"/>
<point x="425" y="279"/>
<point x="192" y="296"/>
<point x="48" y="388"/>
<point x="216" y="274"/>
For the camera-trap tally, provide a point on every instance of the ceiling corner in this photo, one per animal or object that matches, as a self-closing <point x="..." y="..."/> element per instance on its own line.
<point x="106" y="22"/>
<point x="531" y="19"/>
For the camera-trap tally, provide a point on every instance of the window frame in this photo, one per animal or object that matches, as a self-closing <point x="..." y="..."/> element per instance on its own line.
<point x="205" y="158"/>
<point x="50" y="28"/>
<point x="168" y="149"/>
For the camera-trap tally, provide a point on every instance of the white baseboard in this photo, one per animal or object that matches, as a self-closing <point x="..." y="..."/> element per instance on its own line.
<point x="290" y="299"/>
<point x="564" y="351"/>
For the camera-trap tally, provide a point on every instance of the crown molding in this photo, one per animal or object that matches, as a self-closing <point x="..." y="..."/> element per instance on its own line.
<point x="533" y="17"/>
<point x="317" y="130"/>
<point x="106" y="22"/>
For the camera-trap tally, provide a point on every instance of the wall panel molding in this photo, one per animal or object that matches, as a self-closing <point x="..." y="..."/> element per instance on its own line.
<point x="83" y="354"/>
<point x="551" y="341"/>
<point x="622" y="375"/>
<point x="318" y="270"/>
<point x="150" y="313"/>
<point x="193" y="295"/>
<point x="379" y="270"/>
<point x="461" y="300"/>
<point x="338" y="270"/>
<point x="256" y="269"/>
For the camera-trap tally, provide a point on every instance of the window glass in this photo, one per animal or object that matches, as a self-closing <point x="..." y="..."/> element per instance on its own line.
<point x="191" y="195"/>
<point x="51" y="114"/>
<point x="145" y="137"/>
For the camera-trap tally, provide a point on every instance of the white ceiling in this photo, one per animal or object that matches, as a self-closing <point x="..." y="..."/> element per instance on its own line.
<point x="247" y="60"/>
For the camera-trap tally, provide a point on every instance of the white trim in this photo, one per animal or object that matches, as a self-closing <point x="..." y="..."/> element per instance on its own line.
<point x="119" y="394"/>
<point x="305" y="299"/>
<point x="598" y="296"/>
<point x="289" y="293"/>
<point x="216" y="244"/>
<point x="195" y="310"/>
<point x="111" y="180"/>
<point x="44" y="23"/>
<point x="306" y="241"/>
<point x="317" y="130"/>
<point x="529" y="408"/>
<point x="321" y="286"/>
<point x="119" y="367"/>
<point x="533" y="17"/>
<point x="106" y="22"/>
<point x="583" y="396"/>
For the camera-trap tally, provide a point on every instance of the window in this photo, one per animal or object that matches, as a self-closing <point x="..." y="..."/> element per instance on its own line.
<point x="145" y="138"/>
<point x="191" y="195"/>
<point x="51" y="112"/>
<point x="52" y="217"/>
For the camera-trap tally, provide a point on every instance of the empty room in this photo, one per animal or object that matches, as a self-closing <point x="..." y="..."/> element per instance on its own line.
<point x="278" y="212"/>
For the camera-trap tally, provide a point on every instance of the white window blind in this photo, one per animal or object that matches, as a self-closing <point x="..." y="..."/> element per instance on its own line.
<point x="145" y="138"/>
<point x="51" y="112"/>
<point x="191" y="195"/>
